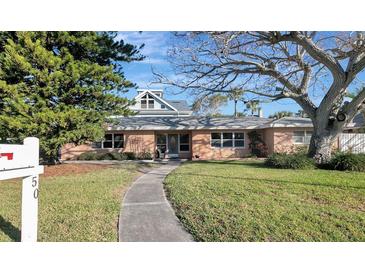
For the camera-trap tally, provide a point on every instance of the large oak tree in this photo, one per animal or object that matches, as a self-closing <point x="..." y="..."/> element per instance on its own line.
<point x="315" y="69"/>
<point x="61" y="86"/>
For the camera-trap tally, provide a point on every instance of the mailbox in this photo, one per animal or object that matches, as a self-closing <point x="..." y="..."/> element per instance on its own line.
<point x="22" y="161"/>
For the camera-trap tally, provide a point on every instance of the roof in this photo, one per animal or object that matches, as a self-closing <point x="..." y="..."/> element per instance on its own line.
<point x="187" y="123"/>
<point x="357" y="122"/>
<point x="199" y="122"/>
<point x="289" y="122"/>
<point x="180" y="105"/>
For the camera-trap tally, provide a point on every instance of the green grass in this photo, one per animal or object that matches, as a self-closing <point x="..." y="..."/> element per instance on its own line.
<point x="246" y="201"/>
<point x="81" y="207"/>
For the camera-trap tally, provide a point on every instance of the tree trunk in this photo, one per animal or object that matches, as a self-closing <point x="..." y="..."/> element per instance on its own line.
<point x="235" y="108"/>
<point x="321" y="142"/>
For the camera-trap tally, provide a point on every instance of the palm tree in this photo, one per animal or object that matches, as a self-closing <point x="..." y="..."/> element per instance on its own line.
<point x="281" y="114"/>
<point x="235" y="96"/>
<point x="252" y="105"/>
<point x="301" y="113"/>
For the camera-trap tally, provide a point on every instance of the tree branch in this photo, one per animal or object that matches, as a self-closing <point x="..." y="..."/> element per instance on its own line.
<point x="357" y="103"/>
<point x="314" y="51"/>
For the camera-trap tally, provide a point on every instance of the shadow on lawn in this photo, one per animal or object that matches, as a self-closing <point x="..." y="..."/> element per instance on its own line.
<point x="270" y="181"/>
<point x="250" y="163"/>
<point x="9" y="229"/>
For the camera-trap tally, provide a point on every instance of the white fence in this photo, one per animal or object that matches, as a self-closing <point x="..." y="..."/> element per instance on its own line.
<point x="352" y="142"/>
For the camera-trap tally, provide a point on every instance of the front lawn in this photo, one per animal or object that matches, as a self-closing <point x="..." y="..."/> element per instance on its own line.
<point x="76" y="203"/>
<point x="246" y="201"/>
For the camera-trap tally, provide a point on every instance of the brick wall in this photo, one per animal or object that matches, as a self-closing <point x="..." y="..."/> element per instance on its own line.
<point x="201" y="147"/>
<point x="134" y="141"/>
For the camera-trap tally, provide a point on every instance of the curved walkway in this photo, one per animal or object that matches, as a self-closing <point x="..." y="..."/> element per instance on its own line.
<point x="146" y="214"/>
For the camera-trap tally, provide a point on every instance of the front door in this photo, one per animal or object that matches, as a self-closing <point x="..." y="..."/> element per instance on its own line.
<point x="173" y="145"/>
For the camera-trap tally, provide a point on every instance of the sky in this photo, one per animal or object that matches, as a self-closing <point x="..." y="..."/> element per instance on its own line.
<point x="155" y="50"/>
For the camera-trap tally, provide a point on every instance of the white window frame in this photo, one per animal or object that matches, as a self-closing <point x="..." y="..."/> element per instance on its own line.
<point x="304" y="137"/>
<point x="148" y="98"/>
<point x="102" y="142"/>
<point x="222" y="139"/>
<point x="233" y="139"/>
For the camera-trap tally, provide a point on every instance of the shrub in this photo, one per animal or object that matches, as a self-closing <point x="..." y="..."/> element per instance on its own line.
<point x="129" y="155"/>
<point x="301" y="149"/>
<point x="289" y="161"/>
<point x="347" y="161"/>
<point x="88" y="156"/>
<point x="257" y="145"/>
<point x="111" y="156"/>
<point x="146" y="155"/>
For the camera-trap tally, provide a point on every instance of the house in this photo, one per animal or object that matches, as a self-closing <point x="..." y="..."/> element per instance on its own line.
<point x="168" y="129"/>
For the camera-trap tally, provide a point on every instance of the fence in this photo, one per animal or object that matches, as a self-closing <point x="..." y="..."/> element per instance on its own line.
<point x="352" y="142"/>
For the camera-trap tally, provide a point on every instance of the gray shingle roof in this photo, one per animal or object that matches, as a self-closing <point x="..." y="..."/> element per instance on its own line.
<point x="357" y="122"/>
<point x="196" y="122"/>
<point x="290" y="122"/>
<point x="180" y="105"/>
<point x="187" y="123"/>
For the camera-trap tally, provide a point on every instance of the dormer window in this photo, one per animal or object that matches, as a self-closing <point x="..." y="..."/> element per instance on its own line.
<point x="147" y="101"/>
<point x="151" y="103"/>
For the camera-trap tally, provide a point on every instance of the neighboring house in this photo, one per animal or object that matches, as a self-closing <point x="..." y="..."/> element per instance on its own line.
<point x="167" y="129"/>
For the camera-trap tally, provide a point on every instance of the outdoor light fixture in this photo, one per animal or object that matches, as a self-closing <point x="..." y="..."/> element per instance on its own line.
<point x="341" y="116"/>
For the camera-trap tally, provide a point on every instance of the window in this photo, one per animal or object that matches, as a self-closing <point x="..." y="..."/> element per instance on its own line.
<point x="147" y="101"/>
<point x="184" y="142"/>
<point x="151" y="103"/>
<point x="302" y="137"/>
<point x="163" y="106"/>
<point x="227" y="139"/>
<point x="96" y="145"/>
<point x="216" y="140"/>
<point x="111" y="140"/>
<point x="118" y="140"/>
<point x="108" y="141"/>
<point x="239" y="139"/>
<point x="308" y="136"/>
<point x="161" y="143"/>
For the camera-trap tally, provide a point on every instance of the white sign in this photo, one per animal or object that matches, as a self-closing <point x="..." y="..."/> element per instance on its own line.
<point x="23" y="161"/>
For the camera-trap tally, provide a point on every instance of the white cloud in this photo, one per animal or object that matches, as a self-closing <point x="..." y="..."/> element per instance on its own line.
<point x="154" y="61"/>
<point x="155" y="43"/>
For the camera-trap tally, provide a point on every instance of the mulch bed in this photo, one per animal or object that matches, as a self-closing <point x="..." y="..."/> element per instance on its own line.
<point x="70" y="169"/>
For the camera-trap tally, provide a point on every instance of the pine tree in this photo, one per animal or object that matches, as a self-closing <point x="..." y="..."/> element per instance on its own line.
<point x="61" y="86"/>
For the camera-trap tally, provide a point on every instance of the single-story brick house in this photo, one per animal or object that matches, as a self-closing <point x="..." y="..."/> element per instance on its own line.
<point x="167" y="129"/>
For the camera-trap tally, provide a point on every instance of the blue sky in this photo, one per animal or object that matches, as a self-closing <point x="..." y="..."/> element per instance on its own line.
<point x="156" y="46"/>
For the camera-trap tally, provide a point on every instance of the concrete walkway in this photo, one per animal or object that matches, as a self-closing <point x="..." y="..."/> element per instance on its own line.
<point x="146" y="214"/>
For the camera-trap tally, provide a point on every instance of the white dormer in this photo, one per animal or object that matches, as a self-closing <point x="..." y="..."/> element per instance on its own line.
<point x="158" y="92"/>
<point x="151" y="103"/>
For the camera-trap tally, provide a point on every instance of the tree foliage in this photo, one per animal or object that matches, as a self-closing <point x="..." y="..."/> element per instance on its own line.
<point x="61" y="86"/>
<point x="281" y="114"/>
<point x="253" y="106"/>
<point x="209" y="105"/>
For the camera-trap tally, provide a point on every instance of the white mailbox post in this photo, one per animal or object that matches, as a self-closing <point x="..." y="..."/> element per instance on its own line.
<point x="22" y="161"/>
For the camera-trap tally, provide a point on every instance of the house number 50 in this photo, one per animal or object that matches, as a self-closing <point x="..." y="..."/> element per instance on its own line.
<point x="35" y="186"/>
